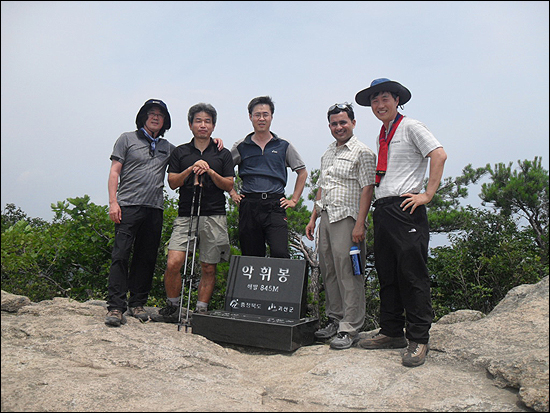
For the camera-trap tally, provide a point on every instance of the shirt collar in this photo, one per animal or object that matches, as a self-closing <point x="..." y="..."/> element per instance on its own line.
<point x="393" y="121"/>
<point x="191" y="144"/>
<point x="248" y="138"/>
<point x="146" y="135"/>
<point x="348" y="144"/>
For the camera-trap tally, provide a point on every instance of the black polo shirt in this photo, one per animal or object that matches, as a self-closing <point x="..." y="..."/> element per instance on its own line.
<point x="212" y="198"/>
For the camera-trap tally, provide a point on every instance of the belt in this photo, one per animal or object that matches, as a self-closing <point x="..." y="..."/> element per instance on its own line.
<point x="263" y="195"/>
<point x="388" y="200"/>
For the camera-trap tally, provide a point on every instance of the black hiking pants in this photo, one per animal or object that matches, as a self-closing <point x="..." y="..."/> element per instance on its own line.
<point x="139" y="230"/>
<point x="401" y="255"/>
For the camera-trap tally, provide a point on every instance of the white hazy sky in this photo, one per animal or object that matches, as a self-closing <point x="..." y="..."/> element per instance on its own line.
<point x="74" y="75"/>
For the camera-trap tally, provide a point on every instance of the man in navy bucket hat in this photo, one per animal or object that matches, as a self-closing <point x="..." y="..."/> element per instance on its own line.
<point x="401" y="231"/>
<point x="136" y="181"/>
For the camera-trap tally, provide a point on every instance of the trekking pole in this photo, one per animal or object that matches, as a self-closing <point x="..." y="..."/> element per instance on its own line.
<point x="193" y="259"/>
<point x="187" y="255"/>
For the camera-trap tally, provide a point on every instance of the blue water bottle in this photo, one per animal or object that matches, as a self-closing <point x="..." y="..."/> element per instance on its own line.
<point x="356" y="260"/>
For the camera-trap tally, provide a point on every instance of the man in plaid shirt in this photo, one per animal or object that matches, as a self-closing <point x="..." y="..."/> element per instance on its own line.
<point x="346" y="186"/>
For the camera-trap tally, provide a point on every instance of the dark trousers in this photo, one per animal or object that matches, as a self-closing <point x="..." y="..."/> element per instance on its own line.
<point x="263" y="221"/>
<point x="401" y="255"/>
<point x="140" y="229"/>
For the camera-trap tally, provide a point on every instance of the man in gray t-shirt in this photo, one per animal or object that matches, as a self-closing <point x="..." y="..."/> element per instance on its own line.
<point x="136" y="181"/>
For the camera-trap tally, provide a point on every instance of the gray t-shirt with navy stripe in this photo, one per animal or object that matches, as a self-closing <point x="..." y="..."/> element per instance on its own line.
<point x="142" y="176"/>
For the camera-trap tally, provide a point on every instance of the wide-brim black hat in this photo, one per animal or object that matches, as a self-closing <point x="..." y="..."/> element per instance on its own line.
<point x="383" y="85"/>
<point x="142" y="114"/>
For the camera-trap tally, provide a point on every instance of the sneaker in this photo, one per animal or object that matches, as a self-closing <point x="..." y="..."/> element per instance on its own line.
<point x="139" y="313"/>
<point x="168" y="314"/>
<point x="201" y="310"/>
<point x="382" y="341"/>
<point x="329" y="331"/>
<point x="344" y="340"/>
<point x="115" y="318"/>
<point x="415" y="355"/>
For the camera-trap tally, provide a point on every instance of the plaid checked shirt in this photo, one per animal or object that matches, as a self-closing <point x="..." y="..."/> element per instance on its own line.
<point x="345" y="171"/>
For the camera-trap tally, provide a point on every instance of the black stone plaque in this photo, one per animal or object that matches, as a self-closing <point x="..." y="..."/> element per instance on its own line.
<point x="272" y="287"/>
<point x="265" y="306"/>
<point x="255" y="330"/>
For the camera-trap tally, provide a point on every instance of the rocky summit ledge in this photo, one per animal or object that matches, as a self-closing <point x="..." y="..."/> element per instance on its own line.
<point x="58" y="355"/>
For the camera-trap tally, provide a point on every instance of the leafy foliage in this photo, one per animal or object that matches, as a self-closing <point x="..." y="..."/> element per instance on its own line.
<point x="69" y="257"/>
<point x="522" y="192"/>
<point x="445" y="212"/>
<point x="490" y="250"/>
<point x="488" y="257"/>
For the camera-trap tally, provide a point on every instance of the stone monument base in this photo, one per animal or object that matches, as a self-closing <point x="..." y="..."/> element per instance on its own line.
<point x="255" y="330"/>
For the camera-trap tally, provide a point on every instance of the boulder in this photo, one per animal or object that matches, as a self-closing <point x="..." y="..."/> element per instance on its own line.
<point x="58" y="355"/>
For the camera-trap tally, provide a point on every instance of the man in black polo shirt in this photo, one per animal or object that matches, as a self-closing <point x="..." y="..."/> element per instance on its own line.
<point x="263" y="159"/>
<point x="198" y="162"/>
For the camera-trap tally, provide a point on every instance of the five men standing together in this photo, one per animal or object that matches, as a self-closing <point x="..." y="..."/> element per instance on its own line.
<point x="350" y="177"/>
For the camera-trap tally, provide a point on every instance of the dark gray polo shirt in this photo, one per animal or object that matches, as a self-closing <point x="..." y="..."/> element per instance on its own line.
<point x="143" y="172"/>
<point x="265" y="171"/>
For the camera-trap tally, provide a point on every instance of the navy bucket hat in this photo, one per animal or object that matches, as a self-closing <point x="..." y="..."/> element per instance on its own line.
<point x="142" y="114"/>
<point x="383" y="85"/>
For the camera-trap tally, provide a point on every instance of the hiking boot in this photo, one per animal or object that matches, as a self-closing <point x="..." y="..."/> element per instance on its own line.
<point x="344" y="340"/>
<point x="415" y="355"/>
<point x="382" y="341"/>
<point x="139" y="313"/>
<point x="168" y="314"/>
<point x="115" y="318"/>
<point x="329" y="331"/>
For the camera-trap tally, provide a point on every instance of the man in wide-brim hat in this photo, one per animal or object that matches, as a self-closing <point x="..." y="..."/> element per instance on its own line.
<point x="401" y="231"/>
<point x="136" y="202"/>
<point x="383" y="85"/>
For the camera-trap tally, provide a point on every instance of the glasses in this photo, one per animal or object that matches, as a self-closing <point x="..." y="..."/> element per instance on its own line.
<point x="259" y="115"/>
<point x="153" y="114"/>
<point x="342" y="106"/>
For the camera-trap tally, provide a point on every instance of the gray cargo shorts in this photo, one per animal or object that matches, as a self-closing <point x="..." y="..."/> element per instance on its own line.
<point x="213" y="240"/>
